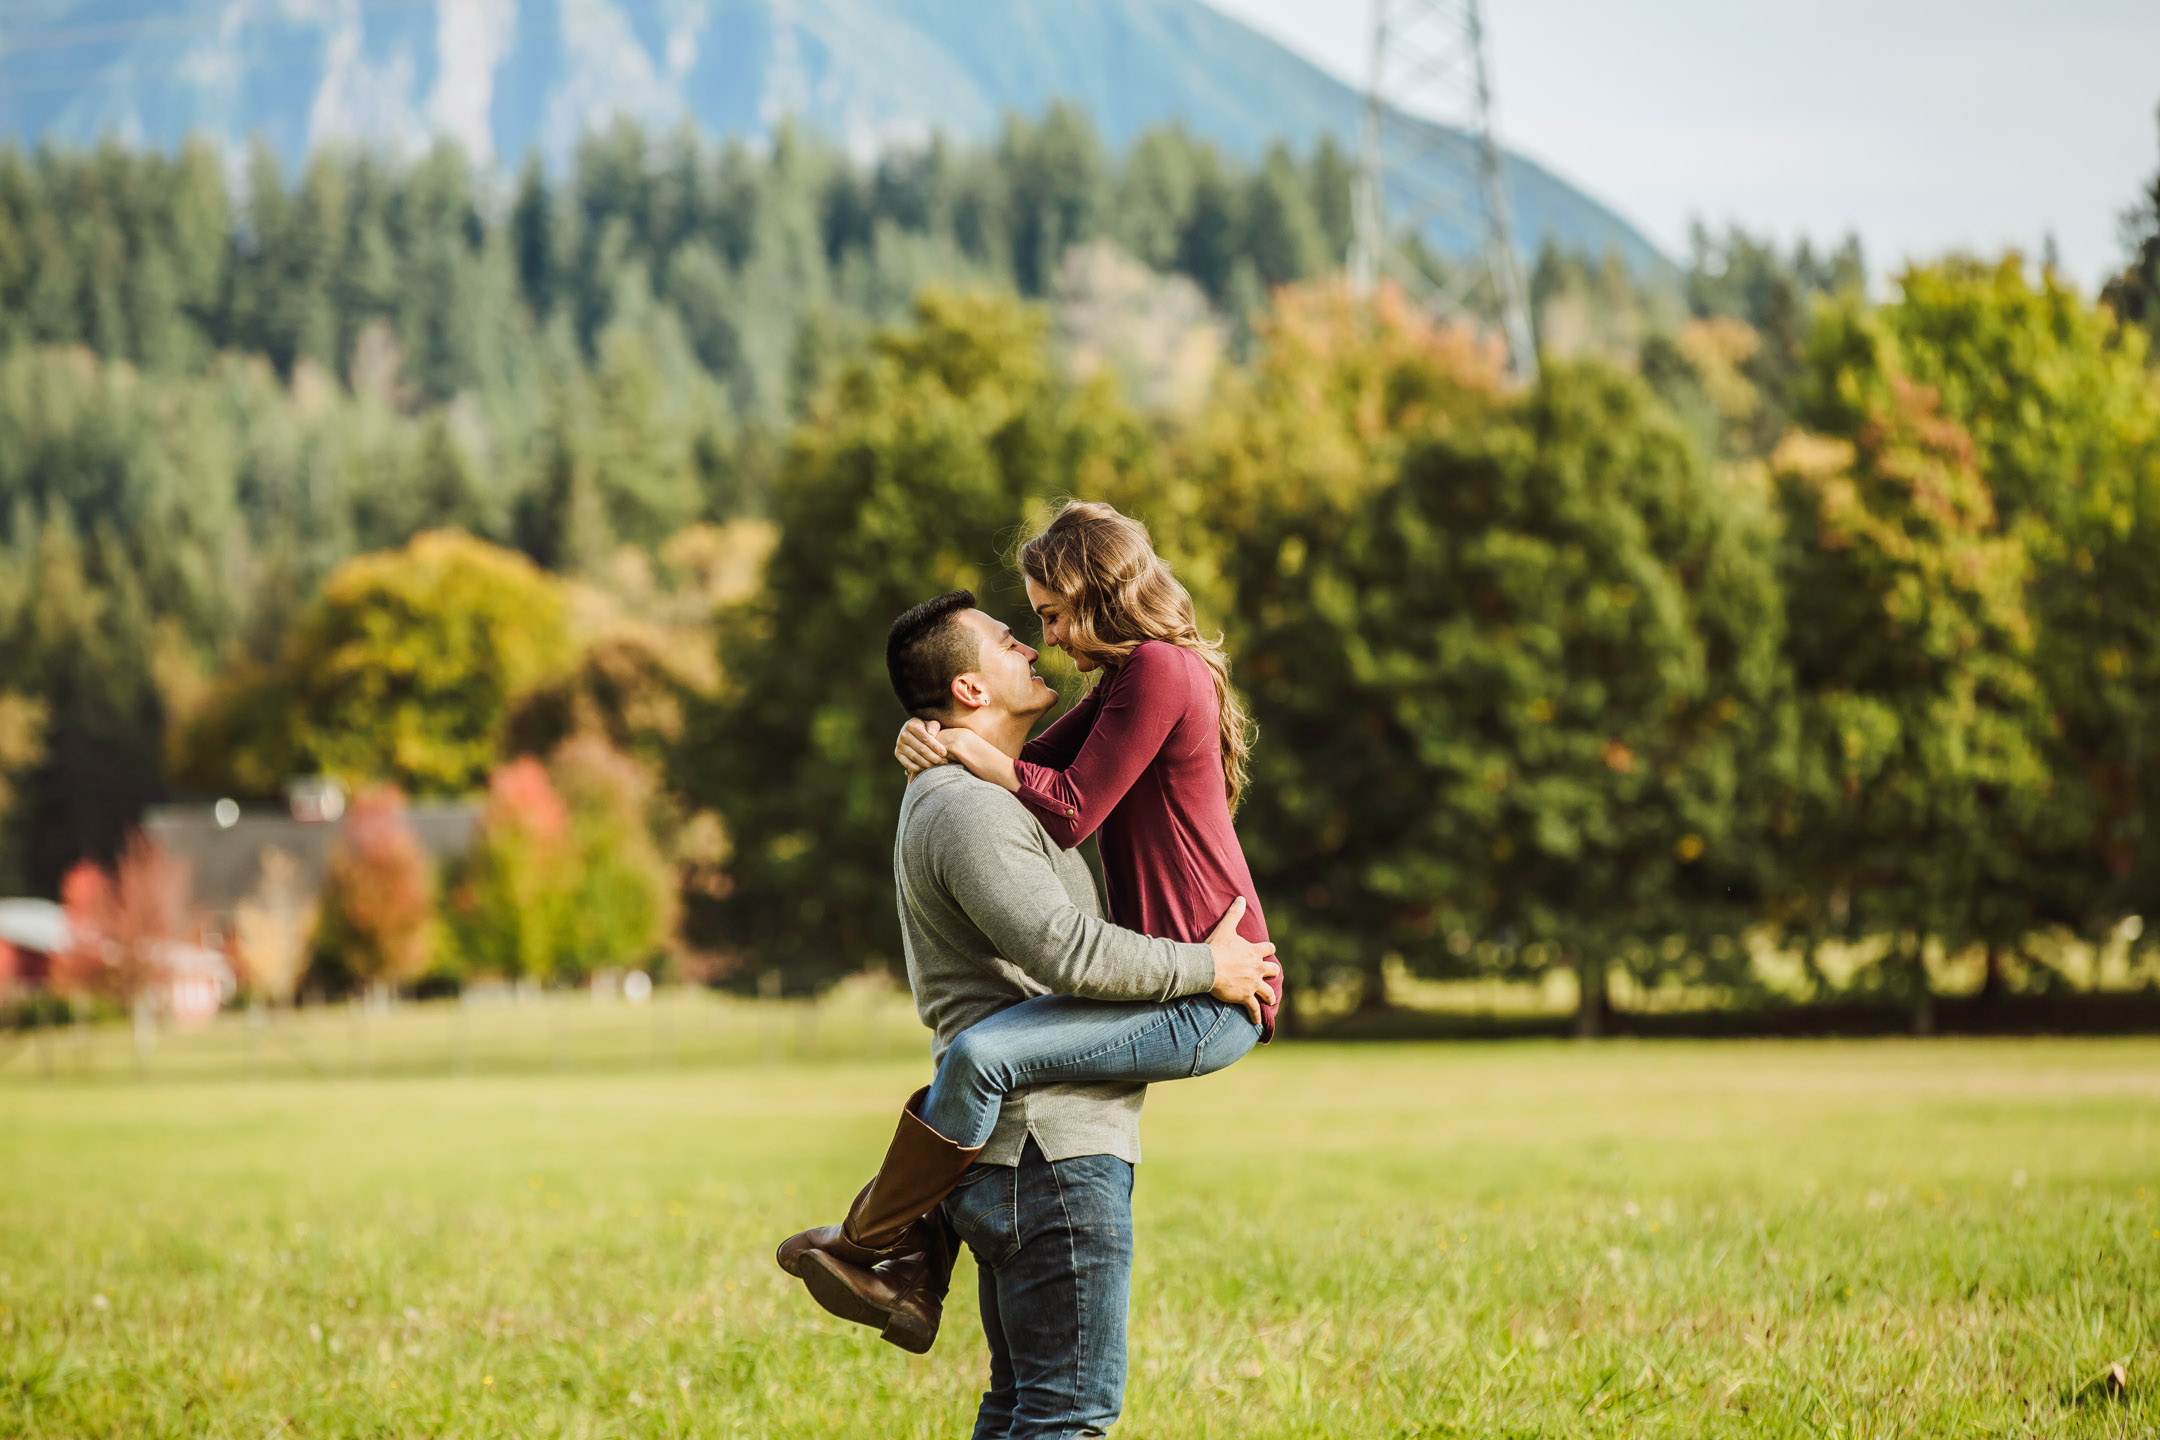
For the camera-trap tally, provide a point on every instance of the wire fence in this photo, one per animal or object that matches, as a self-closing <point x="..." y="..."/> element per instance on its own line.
<point x="530" y="1032"/>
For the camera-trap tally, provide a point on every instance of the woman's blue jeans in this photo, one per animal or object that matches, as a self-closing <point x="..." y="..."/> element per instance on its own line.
<point x="1060" y="1039"/>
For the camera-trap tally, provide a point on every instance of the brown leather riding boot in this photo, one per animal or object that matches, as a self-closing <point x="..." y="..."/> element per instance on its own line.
<point x="903" y="1299"/>
<point x="921" y="1167"/>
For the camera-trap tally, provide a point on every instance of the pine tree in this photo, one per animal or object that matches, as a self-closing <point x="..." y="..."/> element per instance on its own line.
<point x="1055" y="178"/>
<point x="1283" y="240"/>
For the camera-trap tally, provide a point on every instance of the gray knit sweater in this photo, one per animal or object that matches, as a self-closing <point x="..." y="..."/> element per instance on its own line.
<point x="991" y="913"/>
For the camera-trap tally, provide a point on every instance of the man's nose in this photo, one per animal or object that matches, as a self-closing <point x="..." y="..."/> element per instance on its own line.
<point x="1030" y="651"/>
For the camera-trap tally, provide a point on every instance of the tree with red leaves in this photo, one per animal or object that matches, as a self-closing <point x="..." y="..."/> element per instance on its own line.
<point x="378" y="905"/>
<point x="565" y="878"/>
<point x="507" y="903"/>
<point x="122" y="921"/>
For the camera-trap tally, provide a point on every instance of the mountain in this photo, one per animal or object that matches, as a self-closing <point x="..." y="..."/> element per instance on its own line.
<point x="502" y="77"/>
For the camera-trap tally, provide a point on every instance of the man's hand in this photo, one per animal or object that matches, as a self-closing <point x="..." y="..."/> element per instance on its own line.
<point x="1242" y="969"/>
<point x="918" y="748"/>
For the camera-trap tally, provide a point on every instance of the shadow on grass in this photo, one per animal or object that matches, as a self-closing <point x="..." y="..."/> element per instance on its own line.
<point x="2128" y="1013"/>
<point x="2111" y="1386"/>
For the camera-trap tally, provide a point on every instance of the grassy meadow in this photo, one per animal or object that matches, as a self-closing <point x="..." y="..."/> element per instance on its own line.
<point x="1805" y="1239"/>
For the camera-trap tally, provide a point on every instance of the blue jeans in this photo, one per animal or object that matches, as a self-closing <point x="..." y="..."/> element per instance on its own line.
<point x="1053" y="1248"/>
<point x="1058" y="1038"/>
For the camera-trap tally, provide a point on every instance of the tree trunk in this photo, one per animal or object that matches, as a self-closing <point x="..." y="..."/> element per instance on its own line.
<point x="1923" y="1015"/>
<point x="1590" y="1007"/>
<point x="1290" y="1018"/>
<point x="1991" y="987"/>
<point x="1811" y="965"/>
<point x="1372" y="995"/>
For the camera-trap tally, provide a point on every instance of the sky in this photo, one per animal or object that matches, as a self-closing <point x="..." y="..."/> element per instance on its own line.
<point x="1922" y="125"/>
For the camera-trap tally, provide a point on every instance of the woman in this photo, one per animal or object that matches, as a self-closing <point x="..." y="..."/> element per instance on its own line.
<point x="1153" y="760"/>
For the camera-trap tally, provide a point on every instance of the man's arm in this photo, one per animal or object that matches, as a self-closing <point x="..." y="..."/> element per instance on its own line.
<point x="985" y="850"/>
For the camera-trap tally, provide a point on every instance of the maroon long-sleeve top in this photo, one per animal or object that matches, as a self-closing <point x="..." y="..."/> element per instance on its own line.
<point x="1140" y="760"/>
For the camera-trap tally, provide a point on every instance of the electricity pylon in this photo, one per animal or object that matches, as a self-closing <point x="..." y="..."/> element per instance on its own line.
<point x="1428" y="165"/>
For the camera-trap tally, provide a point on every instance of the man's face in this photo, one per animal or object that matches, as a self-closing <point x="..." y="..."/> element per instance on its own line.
<point x="1004" y="676"/>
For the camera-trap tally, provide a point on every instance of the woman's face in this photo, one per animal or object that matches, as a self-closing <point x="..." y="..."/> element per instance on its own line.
<point x="1050" y="609"/>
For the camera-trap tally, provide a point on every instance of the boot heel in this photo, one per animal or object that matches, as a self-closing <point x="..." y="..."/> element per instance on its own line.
<point x="829" y="1284"/>
<point x="909" y="1332"/>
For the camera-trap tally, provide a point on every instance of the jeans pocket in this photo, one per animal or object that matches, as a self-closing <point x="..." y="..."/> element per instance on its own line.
<point x="1231" y="1030"/>
<point x="984" y="1208"/>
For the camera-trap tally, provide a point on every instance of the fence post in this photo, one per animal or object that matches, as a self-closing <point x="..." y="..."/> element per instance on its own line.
<point x="145" y="1036"/>
<point x="806" y="1026"/>
<point x="461" y="1059"/>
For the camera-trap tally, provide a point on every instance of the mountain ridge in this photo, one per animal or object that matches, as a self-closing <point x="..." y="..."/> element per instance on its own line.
<point x="503" y="77"/>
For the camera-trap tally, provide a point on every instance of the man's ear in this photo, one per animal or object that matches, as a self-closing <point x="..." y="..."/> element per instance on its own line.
<point x="969" y="693"/>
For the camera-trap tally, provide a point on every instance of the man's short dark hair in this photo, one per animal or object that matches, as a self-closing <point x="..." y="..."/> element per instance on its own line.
<point x="927" y="649"/>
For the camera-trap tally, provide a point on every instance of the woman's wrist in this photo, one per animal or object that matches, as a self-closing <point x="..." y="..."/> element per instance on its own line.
<point x="983" y="759"/>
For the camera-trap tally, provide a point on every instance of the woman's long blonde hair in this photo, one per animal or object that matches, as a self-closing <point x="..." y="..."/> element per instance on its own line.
<point x="1119" y="595"/>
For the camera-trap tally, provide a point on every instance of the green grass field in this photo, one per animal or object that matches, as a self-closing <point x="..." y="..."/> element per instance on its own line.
<point x="1614" y="1240"/>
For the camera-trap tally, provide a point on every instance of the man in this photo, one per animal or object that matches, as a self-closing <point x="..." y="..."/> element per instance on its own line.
<point x="992" y="912"/>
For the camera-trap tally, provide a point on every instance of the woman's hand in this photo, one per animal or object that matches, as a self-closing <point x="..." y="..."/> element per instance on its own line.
<point x="919" y="747"/>
<point x="924" y="744"/>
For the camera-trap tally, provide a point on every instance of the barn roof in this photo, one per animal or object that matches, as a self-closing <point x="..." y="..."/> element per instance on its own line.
<point x="225" y="862"/>
<point x="37" y="925"/>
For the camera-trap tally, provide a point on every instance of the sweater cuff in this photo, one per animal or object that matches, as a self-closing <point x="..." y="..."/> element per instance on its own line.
<point x="1043" y="803"/>
<point x="1035" y="781"/>
<point x="1195" y="970"/>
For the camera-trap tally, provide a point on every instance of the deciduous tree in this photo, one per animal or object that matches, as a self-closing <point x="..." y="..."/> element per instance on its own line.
<point x="408" y="667"/>
<point x="1513" y="659"/>
<point x="121" y="921"/>
<point x="1924" y="728"/>
<point x="377" y="918"/>
<point x="565" y="877"/>
<point x="2064" y="415"/>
